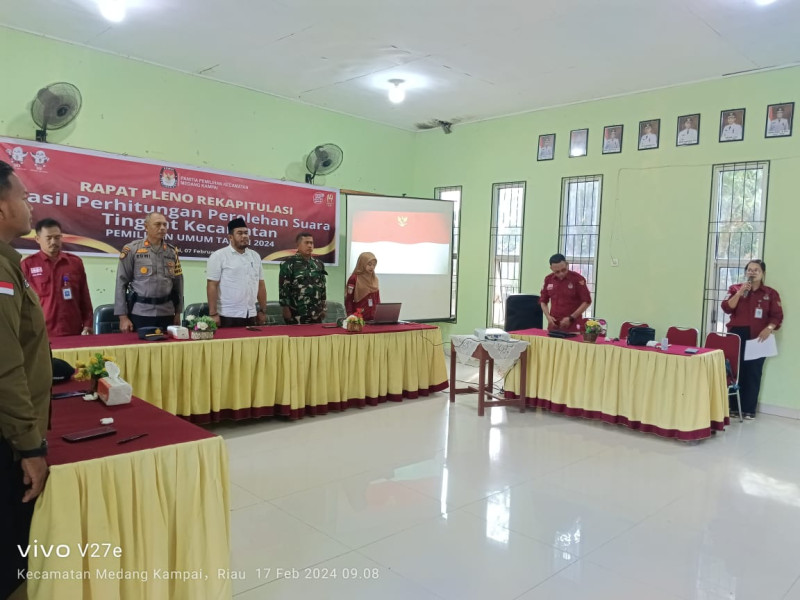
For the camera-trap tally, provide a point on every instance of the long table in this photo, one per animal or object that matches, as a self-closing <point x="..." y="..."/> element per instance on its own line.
<point x="671" y="394"/>
<point x="162" y="499"/>
<point x="290" y="371"/>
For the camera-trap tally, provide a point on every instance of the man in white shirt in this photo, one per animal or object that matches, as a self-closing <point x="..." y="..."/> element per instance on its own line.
<point x="648" y="139"/>
<point x="236" y="281"/>
<point x="546" y="149"/>
<point x="611" y="143"/>
<point x="779" y="125"/>
<point x="732" y="131"/>
<point x="688" y="134"/>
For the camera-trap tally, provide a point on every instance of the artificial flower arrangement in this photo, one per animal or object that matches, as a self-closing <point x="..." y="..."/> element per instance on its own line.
<point x="593" y="326"/>
<point x="94" y="368"/>
<point x="354" y="322"/>
<point x="201" y="323"/>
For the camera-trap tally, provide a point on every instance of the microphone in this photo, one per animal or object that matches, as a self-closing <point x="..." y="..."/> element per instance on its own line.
<point x="747" y="292"/>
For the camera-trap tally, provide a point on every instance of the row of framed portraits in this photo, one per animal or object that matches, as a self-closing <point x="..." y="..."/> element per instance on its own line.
<point x="687" y="132"/>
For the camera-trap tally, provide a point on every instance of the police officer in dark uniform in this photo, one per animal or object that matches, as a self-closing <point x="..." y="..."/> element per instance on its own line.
<point x="25" y="378"/>
<point x="567" y="294"/>
<point x="149" y="290"/>
<point x="302" y="284"/>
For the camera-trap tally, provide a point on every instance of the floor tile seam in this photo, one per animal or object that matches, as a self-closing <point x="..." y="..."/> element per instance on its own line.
<point x="554" y="574"/>
<point x="796" y="582"/>
<point x="305" y="489"/>
<point x="398" y="573"/>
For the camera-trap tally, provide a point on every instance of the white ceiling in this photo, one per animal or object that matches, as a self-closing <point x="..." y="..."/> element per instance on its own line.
<point x="465" y="60"/>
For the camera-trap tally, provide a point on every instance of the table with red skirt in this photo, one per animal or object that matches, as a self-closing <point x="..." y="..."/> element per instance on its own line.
<point x="147" y="518"/>
<point x="668" y="393"/>
<point x="285" y="370"/>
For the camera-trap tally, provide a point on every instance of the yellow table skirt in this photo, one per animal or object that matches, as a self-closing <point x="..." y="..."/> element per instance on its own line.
<point x="336" y="371"/>
<point x="278" y="375"/>
<point x="671" y="395"/>
<point x="167" y="508"/>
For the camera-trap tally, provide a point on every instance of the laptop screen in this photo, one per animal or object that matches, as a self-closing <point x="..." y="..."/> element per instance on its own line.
<point x="387" y="313"/>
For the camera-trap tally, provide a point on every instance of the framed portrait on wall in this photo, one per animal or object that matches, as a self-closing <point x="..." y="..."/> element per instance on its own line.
<point x="578" y="142"/>
<point x="779" y="120"/>
<point x="612" y="139"/>
<point x="688" y="130"/>
<point x="731" y="125"/>
<point x="649" y="133"/>
<point x="547" y="146"/>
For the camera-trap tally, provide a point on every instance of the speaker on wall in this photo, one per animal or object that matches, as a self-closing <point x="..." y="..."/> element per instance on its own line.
<point x="523" y="312"/>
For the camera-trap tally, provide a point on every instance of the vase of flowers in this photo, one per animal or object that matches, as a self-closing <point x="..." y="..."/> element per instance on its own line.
<point x="355" y="322"/>
<point x="591" y="331"/>
<point x="201" y="328"/>
<point x="93" y="369"/>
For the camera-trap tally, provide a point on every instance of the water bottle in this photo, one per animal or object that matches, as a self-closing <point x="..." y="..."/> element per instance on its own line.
<point x="664" y="344"/>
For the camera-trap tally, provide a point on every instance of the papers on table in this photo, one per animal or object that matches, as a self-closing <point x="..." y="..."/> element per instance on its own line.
<point x="754" y="349"/>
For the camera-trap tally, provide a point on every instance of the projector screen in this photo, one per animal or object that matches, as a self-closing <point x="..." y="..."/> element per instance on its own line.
<point x="412" y="238"/>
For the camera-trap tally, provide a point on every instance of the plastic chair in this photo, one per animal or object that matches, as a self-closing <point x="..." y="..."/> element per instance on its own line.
<point x="623" y="331"/>
<point x="730" y="344"/>
<point x="105" y="321"/>
<point x="334" y="311"/>
<point x="683" y="336"/>
<point x="199" y="309"/>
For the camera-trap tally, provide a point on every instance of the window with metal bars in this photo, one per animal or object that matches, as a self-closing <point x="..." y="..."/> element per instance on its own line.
<point x="736" y="224"/>
<point x="579" y="227"/>
<point x="453" y="194"/>
<point x="505" y="258"/>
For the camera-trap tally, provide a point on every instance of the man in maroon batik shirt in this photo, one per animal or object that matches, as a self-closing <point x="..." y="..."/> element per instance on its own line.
<point x="567" y="294"/>
<point x="59" y="279"/>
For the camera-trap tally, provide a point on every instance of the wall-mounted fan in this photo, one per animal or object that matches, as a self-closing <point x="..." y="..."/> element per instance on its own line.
<point x="447" y="126"/>
<point x="54" y="107"/>
<point x="322" y="160"/>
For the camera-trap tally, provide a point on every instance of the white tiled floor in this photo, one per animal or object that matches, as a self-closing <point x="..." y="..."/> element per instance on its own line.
<point x="425" y="500"/>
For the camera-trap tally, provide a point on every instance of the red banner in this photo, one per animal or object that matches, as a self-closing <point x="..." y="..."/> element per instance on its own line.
<point x="101" y="200"/>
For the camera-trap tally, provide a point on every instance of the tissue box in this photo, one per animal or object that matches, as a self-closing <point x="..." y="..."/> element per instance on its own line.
<point x="114" y="390"/>
<point x="178" y="332"/>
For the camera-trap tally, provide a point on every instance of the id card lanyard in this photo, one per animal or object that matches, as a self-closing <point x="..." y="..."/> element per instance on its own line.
<point x="66" y="291"/>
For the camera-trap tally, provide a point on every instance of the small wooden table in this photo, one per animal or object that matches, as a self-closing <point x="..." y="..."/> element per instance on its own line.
<point x="485" y="386"/>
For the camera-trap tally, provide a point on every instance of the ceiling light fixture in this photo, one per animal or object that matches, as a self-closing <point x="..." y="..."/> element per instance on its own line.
<point x="112" y="10"/>
<point x="397" y="93"/>
<point x="765" y="2"/>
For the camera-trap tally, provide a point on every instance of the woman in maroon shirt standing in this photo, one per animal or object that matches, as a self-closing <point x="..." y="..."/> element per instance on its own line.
<point x="362" y="287"/>
<point x="756" y="312"/>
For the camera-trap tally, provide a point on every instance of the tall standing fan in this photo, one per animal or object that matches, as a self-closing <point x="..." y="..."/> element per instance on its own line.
<point x="322" y="160"/>
<point x="54" y="107"/>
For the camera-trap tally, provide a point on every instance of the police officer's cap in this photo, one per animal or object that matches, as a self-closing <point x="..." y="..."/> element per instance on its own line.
<point x="237" y="223"/>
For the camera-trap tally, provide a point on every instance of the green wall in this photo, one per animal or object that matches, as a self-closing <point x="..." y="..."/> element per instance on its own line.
<point x="134" y="108"/>
<point x="655" y="205"/>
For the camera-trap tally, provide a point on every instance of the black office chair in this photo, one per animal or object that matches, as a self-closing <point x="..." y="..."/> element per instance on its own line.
<point x="334" y="312"/>
<point x="523" y="311"/>
<point x="105" y="321"/>
<point x="199" y="309"/>
<point x="274" y="313"/>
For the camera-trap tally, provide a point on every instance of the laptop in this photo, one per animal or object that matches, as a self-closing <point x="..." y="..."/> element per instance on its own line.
<point x="387" y="313"/>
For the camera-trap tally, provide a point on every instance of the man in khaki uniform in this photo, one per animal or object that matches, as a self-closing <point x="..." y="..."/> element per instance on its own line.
<point x="25" y="378"/>
<point x="153" y="270"/>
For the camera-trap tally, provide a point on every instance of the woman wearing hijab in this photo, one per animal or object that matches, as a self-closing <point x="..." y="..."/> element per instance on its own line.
<point x="362" y="287"/>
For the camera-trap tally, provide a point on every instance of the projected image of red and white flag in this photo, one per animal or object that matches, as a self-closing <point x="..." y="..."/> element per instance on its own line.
<point x="101" y="200"/>
<point x="404" y="242"/>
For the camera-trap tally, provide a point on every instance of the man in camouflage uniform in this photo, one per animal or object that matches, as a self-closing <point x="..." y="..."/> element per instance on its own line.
<point x="153" y="270"/>
<point x="302" y="284"/>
